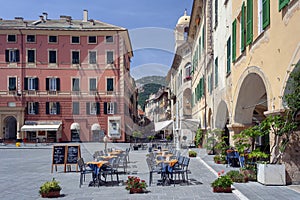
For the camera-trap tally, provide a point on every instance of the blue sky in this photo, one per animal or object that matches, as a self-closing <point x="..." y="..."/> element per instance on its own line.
<point x="150" y="23"/>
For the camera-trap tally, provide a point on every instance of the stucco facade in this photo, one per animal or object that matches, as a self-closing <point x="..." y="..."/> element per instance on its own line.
<point x="65" y="72"/>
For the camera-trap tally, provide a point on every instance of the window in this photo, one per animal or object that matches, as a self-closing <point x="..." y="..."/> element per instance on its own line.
<point x="109" y="39"/>
<point x="282" y="4"/>
<point x="92" y="108"/>
<point x="110" y="107"/>
<point x="249" y="32"/>
<point x="216" y="72"/>
<point x="52" y="39"/>
<point x="30" y="38"/>
<point x="31" y="56"/>
<point x="233" y="40"/>
<point x="11" y="38"/>
<point x="75" y="84"/>
<point x="33" y="108"/>
<point x="75" y="40"/>
<point x="12" y="83"/>
<point x="52" y="108"/>
<point x="52" y="84"/>
<point x="52" y="57"/>
<point x="92" y="57"/>
<point x="188" y="71"/>
<point x="92" y="40"/>
<point x="75" y="108"/>
<point x="12" y="55"/>
<point x="109" y="57"/>
<point x="259" y="17"/>
<point x="110" y="84"/>
<point x="93" y="84"/>
<point x="228" y="69"/>
<point x="75" y="57"/>
<point x="31" y="83"/>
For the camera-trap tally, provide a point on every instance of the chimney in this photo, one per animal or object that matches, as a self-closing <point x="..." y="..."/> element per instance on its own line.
<point x="45" y="16"/>
<point x="20" y="19"/>
<point x="85" y="16"/>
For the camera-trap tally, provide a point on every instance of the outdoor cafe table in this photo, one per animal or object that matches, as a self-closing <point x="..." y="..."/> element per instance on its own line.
<point x="96" y="167"/>
<point x="167" y="169"/>
<point x="107" y="157"/>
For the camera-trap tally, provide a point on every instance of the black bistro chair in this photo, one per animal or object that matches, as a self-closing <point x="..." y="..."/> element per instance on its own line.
<point x="83" y="170"/>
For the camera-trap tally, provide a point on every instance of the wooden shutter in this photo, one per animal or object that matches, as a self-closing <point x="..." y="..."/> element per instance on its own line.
<point x="57" y="108"/>
<point x="87" y="108"/>
<point x="7" y="55"/>
<point x="25" y="83"/>
<point x="57" y="84"/>
<point x="115" y="108"/>
<point x="266" y="13"/>
<point x="243" y="28"/>
<point x="47" y="84"/>
<point x="249" y="21"/>
<point x="228" y="55"/>
<point x="105" y="107"/>
<point x="98" y="108"/>
<point x="36" y="81"/>
<point x="36" y="107"/>
<point x="17" y="55"/>
<point x="282" y="4"/>
<point x="233" y="41"/>
<point x="47" y="107"/>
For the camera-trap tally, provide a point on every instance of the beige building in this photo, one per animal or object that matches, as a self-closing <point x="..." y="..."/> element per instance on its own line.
<point x="243" y="53"/>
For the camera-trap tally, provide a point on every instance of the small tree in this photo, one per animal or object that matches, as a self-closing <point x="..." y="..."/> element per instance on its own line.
<point x="136" y="134"/>
<point x="199" y="137"/>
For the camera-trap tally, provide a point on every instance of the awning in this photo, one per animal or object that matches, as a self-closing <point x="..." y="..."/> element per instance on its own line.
<point x="75" y="126"/>
<point x="40" y="127"/>
<point x="162" y="125"/>
<point x="95" y="127"/>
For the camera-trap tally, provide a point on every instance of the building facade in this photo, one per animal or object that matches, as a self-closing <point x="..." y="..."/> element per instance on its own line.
<point x="243" y="53"/>
<point x="65" y="80"/>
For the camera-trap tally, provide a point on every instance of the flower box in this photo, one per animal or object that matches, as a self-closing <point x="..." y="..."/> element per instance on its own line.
<point x="221" y="189"/>
<point x="271" y="174"/>
<point x="51" y="194"/>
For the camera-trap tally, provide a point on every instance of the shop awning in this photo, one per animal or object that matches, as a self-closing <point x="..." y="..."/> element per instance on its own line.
<point x="41" y="127"/>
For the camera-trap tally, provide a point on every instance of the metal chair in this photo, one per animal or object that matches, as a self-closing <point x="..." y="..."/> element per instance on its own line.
<point x="83" y="171"/>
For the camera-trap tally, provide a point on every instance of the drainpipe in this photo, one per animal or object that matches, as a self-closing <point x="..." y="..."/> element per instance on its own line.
<point x="21" y="83"/>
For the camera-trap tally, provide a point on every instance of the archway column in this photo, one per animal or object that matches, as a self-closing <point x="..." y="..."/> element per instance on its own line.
<point x="236" y="128"/>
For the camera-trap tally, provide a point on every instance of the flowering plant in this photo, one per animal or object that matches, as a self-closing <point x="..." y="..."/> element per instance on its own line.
<point x="223" y="181"/>
<point x="134" y="182"/>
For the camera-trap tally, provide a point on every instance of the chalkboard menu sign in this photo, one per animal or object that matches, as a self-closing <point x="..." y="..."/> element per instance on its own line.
<point x="66" y="155"/>
<point x="73" y="154"/>
<point x="59" y="153"/>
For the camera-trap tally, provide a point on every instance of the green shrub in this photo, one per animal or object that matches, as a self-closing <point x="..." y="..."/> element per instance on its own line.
<point x="192" y="153"/>
<point x="236" y="176"/>
<point x="50" y="186"/>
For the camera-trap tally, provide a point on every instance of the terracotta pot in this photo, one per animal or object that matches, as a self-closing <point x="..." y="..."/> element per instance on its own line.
<point x="51" y="194"/>
<point x="136" y="190"/>
<point x="221" y="189"/>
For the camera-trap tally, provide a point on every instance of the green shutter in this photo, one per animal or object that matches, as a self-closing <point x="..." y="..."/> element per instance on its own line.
<point x="228" y="55"/>
<point x="233" y="41"/>
<point x="283" y="3"/>
<point x="249" y="21"/>
<point x="266" y="13"/>
<point x="243" y="28"/>
<point x="199" y="45"/>
<point x="216" y="72"/>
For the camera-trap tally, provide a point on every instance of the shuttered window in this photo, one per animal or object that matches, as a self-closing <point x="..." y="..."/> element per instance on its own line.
<point x="243" y="28"/>
<point x="266" y="13"/>
<point x="283" y="3"/>
<point x="249" y="21"/>
<point x="233" y="41"/>
<point x="216" y="72"/>
<point x="228" y="55"/>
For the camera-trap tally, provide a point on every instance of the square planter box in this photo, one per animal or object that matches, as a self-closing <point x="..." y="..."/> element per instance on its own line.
<point x="271" y="174"/>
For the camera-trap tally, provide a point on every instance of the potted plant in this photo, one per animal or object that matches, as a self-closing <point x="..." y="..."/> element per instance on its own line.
<point x="192" y="153"/>
<point x="199" y="138"/>
<point x="135" y="135"/>
<point x="237" y="177"/>
<point x="135" y="185"/>
<point x="50" y="189"/>
<point x="219" y="159"/>
<point x="222" y="183"/>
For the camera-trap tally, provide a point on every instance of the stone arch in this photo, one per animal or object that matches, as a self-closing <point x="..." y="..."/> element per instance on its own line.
<point x="252" y="97"/>
<point x="10" y="124"/>
<point x="222" y="115"/>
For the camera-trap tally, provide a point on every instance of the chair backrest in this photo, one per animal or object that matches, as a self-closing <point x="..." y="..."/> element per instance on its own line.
<point x="180" y="160"/>
<point x="186" y="162"/>
<point x="160" y="158"/>
<point x="230" y="154"/>
<point x="80" y="163"/>
<point x="96" y="154"/>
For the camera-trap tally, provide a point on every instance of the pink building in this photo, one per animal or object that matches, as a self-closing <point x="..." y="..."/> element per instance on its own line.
<point x="65" y="80"/>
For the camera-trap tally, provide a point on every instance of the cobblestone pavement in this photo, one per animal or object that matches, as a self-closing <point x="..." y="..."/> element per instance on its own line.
<point x="24" y="169"/>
